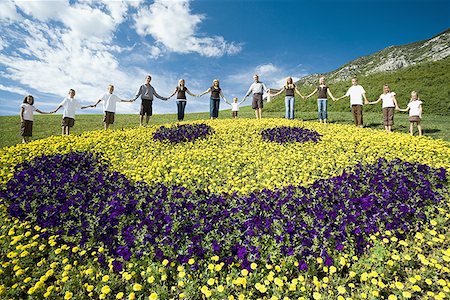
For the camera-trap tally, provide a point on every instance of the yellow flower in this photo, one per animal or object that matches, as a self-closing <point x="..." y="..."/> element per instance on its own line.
<point x="151" y="279"/>
<point x="253" y="266"/>
<point x="132" y="296"/>
<point x="244" y="272"/>
<point x="68" y="295"/>
<point x="392" y="297"/>
<point x="399" y="285"/>
<point x="165" y="262"/>
<point x="220" y="288"/>
<point x="137" y="287"/>
<point x="406" y="294"/>
<point x="191" y="261"/>
<point x="153" y="296"/>
<point x="105" y="278"/>
<point x="317" y="296"/>
<point x="341" y="290"/>
<point x="105" y="289"/>
<point x="119" y="295"/>
<point x="210" y="281"/>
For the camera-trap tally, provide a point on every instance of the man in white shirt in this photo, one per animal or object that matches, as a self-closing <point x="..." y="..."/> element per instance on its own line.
<point x="70" y="105"/>
<point x="109" y="105"/>
<point x="257" y="88"/>
<point x="356" y="94"/>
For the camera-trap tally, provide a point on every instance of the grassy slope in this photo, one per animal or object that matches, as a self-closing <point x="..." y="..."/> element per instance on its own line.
<point x="46" y="125"/>
<point x="431" y="80"/>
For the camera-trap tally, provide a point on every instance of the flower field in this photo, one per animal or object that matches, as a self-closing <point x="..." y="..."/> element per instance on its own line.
<point x="226" y="209"/>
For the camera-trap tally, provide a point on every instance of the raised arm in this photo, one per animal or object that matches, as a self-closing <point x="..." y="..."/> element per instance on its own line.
<point x="138" y="93"/>
<point x="174" y="92"/>
<point x="206" y="92"/>
<point x="375" y="102"/>
<point x="298" y="92"/>
<point x="249" y="91"/>
<point x="56" y="109"/>
<point x="312" y="93"/>
<point x="43" y="112"/>
<point x="330" y="94"/>
<point x="158" y="96"/>
<point x="279" y="92"/>
<point x="221" y="95"/>
<point x="395" y="101"/>
<point x="189" y="92"/>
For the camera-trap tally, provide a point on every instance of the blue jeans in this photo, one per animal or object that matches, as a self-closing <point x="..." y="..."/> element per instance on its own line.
<point x="214" y="107"/>
<point x="322" y="108"/>
<point x="289" y="102"/>
<point x="181" y="105"/>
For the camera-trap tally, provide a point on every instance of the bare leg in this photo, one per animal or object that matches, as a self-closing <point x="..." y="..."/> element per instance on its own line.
<point x="419" y="128"/>
<point x="63" y="130"/>
<point x="147" y="118"/>
<point x="256" y="113"/>
<point x="68" y="130"/>
<point x="141" y="120"/>
<point x="325" y="121"/>
<point x="106" y="126"/>
<point x="411" y="128"/>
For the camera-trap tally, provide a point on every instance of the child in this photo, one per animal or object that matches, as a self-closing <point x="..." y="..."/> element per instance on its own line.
<point x="389" y="104"/>
<point x="356" y="93"/>
<point x="415" y="112"/>
<point x="26" y="117"/>
<point x="109" y="105"/>
<point x="234" y="107"/>
<point x="70" y="105"/>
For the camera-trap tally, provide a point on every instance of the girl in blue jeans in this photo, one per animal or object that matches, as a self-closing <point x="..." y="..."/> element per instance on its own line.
<point x="289" y="100"/>
<point x="181" y="91"/>
<point x="216" y="93"/>
<point x="323" y="92"/>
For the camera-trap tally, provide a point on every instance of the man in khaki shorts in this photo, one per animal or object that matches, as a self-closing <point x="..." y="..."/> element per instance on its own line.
<point x="257" y="89"/>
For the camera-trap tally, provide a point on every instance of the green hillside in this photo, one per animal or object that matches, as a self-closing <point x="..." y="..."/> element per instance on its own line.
<point x="431" y="80"/>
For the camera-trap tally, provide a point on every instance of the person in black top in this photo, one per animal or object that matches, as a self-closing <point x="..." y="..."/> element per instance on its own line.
<point x="289" y="100"/>
<point x="216" y="93"/>
<point x="323" y="91"/>
<point x="181" y="91"/>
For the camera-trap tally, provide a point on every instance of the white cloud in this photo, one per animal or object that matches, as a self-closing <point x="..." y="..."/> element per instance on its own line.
<point x="8" y="11"/>
<point x="13" y="89"/>
<point x="171" y="23"/>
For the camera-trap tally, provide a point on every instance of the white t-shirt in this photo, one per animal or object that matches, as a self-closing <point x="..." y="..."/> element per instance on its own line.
<point x="234" y="106"/>
<point x="70" y="105"/>
<point x="28" y="111"/>
<point x="388" y="99"/>
<point x="109" y="102"/>
<point x="414" y="108"/>
<point x="356" y="94"/>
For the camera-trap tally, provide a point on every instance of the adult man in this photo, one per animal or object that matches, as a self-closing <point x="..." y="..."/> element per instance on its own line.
<point x="146" y="92"/>
<point x="257" y="89"/>
<point x="356" y="94"/>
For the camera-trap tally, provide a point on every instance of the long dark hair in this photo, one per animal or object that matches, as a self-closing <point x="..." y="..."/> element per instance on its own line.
<point x="26" y="98"/>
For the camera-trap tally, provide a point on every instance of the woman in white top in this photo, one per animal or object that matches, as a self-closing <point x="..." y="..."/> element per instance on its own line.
<point x="26" y="118"/>
<point x="415" y="112"/>
<point x="389" y="104"/>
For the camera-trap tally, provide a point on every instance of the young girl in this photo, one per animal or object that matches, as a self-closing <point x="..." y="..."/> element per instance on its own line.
<point x="415" y="112"/>
<point x="26" y="118"/>
<point x="389" y="104"/>
<point x="181" y="91"/>
<point x="289" y="100"/>
<point x="323" y="92"/>
<point x="234" y="107"/>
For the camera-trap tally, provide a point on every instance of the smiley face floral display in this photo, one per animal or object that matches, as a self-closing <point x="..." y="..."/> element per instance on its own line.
<point x="357" y="213"/>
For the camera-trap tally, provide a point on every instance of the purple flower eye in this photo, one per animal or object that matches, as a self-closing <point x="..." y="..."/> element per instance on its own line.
<point x="287" y="134"/>
<point x="182" y="133"/>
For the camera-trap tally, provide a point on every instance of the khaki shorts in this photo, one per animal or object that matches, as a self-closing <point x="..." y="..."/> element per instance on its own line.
<point x="388" y="116"/>
<point x="257" y="101"/>
<point x="26" y="129"/>
<point x="414" y="119"/>
<point x="109" y="117"/>
<point x="68" y="122"/>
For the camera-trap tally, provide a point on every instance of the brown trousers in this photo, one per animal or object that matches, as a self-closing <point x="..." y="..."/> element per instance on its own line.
<point x="357" y="114"/>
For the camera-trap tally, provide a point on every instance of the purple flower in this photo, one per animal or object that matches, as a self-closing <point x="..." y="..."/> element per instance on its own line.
<point x="285" y="134"/>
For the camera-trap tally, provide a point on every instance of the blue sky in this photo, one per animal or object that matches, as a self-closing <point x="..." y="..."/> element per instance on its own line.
<point x="48" y="47"/>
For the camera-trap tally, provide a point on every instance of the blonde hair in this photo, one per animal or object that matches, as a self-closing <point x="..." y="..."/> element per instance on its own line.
<point x="181" y="80"/>
<point x="414" y="93"/>
<point x="290" y="85"/>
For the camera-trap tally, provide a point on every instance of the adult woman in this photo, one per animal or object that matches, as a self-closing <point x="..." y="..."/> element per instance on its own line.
<point x="389" y="104"/>
<point x="289" y="100"/>
<point x="216" y="93"/>
<point x="323" y="91"/>
<point x="181" y="91"/>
